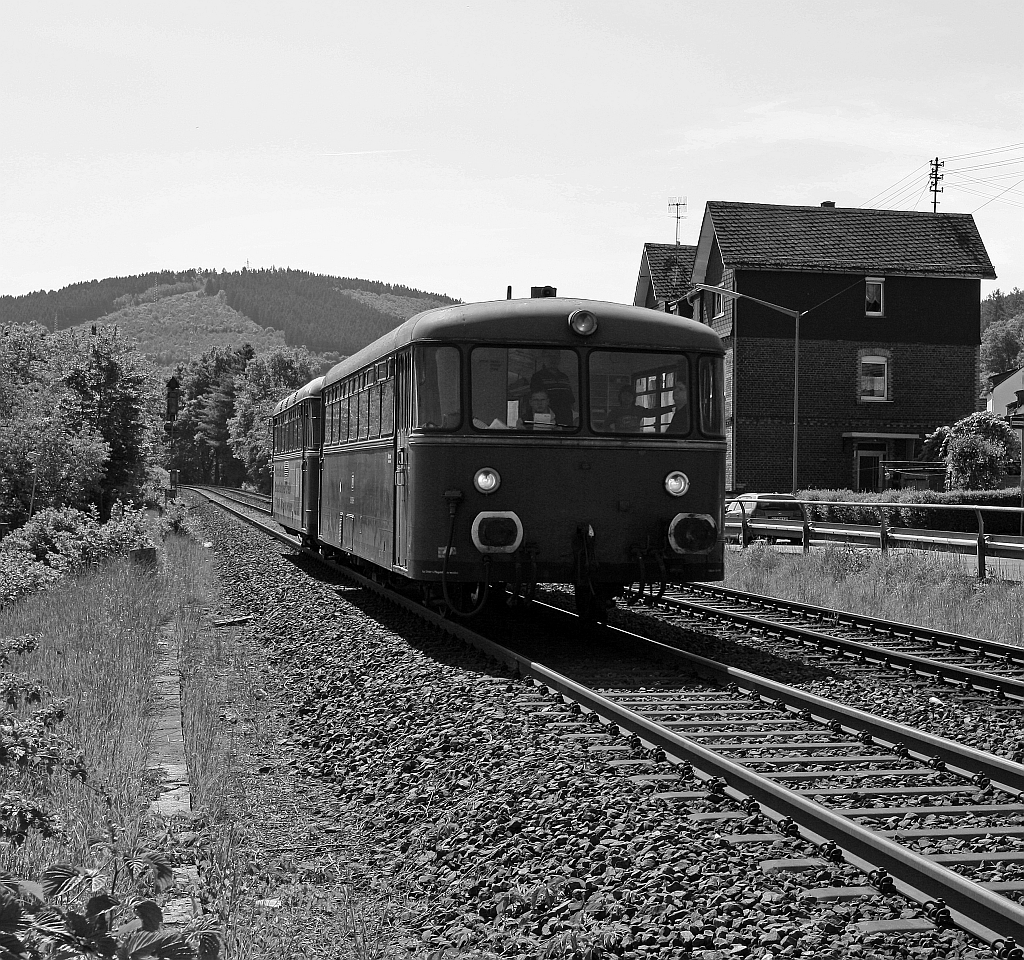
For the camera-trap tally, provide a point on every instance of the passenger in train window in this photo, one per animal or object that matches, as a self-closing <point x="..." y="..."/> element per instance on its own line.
<point x="628" y="416"/>
<point x="680" y="422"/>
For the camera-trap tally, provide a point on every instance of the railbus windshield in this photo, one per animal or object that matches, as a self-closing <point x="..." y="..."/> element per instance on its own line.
<point x="525" y="388"/>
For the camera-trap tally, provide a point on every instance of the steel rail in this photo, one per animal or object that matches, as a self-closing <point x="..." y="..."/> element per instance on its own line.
<point x="1008" y="687"/>
<point x="959" y="642"/>
<point x="984" y="914"/>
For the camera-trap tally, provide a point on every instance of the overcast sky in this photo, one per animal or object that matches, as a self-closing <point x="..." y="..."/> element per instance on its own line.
<point x="460" y="147"/>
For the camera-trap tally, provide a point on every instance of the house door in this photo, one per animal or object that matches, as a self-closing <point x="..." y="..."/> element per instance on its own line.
<point x="403" y="420"/>
<point x="869" y="458"/>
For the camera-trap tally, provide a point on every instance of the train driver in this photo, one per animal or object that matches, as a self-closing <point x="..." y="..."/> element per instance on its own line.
<point x="680" y="422"/>
<point x="540" y="416"/>
<point x="550" y="379"/>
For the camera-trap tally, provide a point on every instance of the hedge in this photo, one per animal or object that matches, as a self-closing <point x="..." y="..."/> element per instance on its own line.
<point x="903" y="513"/>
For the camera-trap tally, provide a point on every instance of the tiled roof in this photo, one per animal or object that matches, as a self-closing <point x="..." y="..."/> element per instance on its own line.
<point x="671" y="266"/>
<point x="848" y="240"/>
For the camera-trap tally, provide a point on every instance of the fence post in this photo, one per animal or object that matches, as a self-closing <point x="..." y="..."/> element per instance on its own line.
<point x="744" y="529"/>
<point x="981" y="544"/>
<point x="807" y="529"/>
<point x="883" y="532"/>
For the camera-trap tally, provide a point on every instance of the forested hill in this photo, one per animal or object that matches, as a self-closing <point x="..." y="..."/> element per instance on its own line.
<point x="321" y="312"/>
<point x="331" y="315"/>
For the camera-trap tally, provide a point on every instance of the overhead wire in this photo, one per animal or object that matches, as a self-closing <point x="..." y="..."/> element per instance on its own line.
<point x="997" y="196"/>
<point x="989" y="196"/>
<point x="981" y="153"/>
<point x="888" y="189"/>
<point x="983" y="183"/>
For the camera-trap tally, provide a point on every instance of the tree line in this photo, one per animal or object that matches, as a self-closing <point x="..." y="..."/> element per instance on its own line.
<point x="311" y="309"/>
<point x="84" y="419"/>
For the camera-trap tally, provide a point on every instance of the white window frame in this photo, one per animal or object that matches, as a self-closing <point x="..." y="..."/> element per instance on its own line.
<point x="880" y="312"/>
<point x="717" y="305"/>
<point x="884" y="361"/>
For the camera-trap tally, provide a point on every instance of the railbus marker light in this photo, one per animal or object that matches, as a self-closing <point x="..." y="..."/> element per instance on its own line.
<point x="677" y="483"/>
<point x="487" y="480"/>
<point x="583" y="322"/>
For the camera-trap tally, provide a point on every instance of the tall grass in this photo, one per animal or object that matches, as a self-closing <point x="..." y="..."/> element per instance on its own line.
<point x="97" y="650"/>
<point x="936" y="590"/>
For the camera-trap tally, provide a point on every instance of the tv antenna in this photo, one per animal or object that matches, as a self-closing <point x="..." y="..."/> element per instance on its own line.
<point x="677" y="206"/>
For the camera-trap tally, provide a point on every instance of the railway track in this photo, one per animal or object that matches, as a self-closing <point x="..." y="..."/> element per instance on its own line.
<point x="970" y="663"/>
<point x="260" y="502"/>
<point x="890" y="809"/>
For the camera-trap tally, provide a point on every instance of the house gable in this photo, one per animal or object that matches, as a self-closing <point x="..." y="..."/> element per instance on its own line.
<point x="664" y="278"/>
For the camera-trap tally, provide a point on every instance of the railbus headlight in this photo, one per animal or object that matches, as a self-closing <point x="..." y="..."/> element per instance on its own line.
<point x="677" y="483"/>
<point x="487" y="480"/>
<point x="692" y="533"/>
<point x="583" y="322"/>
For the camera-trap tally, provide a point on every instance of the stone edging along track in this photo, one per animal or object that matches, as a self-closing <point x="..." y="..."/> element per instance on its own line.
<point x="470" y="827"/>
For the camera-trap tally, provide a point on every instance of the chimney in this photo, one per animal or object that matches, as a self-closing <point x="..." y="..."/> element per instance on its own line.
<point x="828" y="203"/>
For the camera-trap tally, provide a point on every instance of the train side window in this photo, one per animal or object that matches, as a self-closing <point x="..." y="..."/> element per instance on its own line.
<point x="438" y="384"/>
<point x="374" y="411"/>
<point x="712" y="396"/>
<point x="387" y="408"/>
<point x="343" y="420"/>
<point x="364" y="413"/>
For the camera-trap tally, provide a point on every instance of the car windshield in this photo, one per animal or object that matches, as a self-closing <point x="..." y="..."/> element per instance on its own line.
<point x="633" y="392"/>
<point x="525" y="389"/>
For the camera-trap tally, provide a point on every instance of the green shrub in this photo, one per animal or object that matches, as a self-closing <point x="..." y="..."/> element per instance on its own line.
<point x="61" y="542"/>
<point x="902" y="513"/>
<point x="21" y="575"/>
<point x="68" y="539"/>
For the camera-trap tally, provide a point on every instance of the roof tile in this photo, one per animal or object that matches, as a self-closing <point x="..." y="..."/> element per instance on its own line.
<point x="671" y="267"/>
<point x="848" y="239"/>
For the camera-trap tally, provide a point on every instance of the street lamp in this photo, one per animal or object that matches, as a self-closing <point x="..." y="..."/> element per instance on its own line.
<point x="796" y="315"/>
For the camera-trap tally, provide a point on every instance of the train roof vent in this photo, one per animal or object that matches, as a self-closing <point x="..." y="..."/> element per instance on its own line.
<point x="543" y="292"/>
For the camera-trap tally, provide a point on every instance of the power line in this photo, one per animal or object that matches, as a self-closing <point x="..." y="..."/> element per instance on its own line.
<point x="981" y="153"/>
<point x="989" y="196"/>
<point x="896" y="184"/>
<point x="997" y="196"/>
<point x="985" y="183"/>
<point x="989" y="166"/>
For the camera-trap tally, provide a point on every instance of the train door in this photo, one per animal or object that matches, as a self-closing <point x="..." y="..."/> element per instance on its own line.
<point x="403" y="421"/>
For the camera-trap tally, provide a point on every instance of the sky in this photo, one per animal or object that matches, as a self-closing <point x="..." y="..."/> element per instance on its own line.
<point x="460" y="147"/>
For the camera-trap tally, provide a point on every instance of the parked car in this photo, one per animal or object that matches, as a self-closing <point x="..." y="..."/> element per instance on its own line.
<point x="763" y="506"/>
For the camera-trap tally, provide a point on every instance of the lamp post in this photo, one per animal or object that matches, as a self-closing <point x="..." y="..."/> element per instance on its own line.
<point x="796" y="315"/>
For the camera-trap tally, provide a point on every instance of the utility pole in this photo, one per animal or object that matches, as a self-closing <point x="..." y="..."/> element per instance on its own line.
<point x="677" y="205"/>
<point x="933" y="182"/>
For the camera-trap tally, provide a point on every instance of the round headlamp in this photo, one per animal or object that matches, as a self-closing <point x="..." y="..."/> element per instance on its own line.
<point x="677" y="483"/>
<point x="583" y="322"/>
<point x="487" y="480"/>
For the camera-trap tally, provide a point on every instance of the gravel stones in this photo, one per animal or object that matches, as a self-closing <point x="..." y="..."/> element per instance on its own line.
<point x="472" y="809"/>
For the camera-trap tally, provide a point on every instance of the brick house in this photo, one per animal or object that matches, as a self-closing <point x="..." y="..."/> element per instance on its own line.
<point x="664" y="278"/>
<point x="889" y="347"/>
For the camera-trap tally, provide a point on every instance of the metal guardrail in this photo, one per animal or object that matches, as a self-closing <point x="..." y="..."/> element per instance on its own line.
<point x="884" y="535"/>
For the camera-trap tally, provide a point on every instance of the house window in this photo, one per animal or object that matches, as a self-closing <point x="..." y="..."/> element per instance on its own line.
<point x="874" y="297"/>
<point x="874" y="378"/>
<point x="717" y="305"/>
